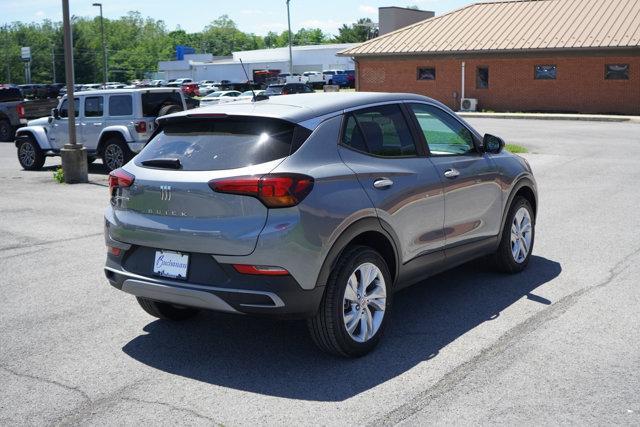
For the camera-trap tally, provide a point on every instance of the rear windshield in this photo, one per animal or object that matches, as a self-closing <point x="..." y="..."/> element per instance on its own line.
<point x="153" y="102"/>
<point x="10" y="94"/>
<point x="229" y="143"/>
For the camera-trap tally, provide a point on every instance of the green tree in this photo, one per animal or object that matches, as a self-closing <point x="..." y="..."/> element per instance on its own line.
<point x="355" y="33"/>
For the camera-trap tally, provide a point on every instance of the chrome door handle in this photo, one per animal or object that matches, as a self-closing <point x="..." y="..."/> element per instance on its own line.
<point x="381" y="183"/>
<point x="451" y="173"/>
<point x="97" y="124"/>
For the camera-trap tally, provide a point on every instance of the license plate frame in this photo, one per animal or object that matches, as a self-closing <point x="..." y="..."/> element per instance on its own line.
<point x="171" y="264"/>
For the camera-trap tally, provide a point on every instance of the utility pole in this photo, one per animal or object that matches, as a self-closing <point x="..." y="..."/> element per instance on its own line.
<point x="74" y="155"/>
<point x="53" y="63"/>
<point x="104" y="47"/>
<point x="290" y="52"/>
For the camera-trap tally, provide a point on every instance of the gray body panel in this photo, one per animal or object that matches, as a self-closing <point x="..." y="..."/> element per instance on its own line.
<point x="430" y="221"/>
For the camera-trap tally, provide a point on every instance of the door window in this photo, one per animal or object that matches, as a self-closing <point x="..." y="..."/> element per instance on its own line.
<point x="64" y="108"/>
<point x="93" y="106"/>
<point x="445" y="135"/>
<point x="120" y="105"/>
<point x="381" y="131"/>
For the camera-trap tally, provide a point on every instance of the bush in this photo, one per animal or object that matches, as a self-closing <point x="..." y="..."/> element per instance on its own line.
<point x="58" y="175"/>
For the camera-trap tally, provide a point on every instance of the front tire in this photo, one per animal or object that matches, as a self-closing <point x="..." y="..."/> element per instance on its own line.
<point x="166" y="311"/>
<point x="30" y="155"/>
<point x="517" y="240"/>
<point x="115" y="154"/>
<point x="355" y="305"/>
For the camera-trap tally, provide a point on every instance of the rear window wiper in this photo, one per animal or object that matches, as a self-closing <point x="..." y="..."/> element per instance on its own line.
<point x="163" y="163"/>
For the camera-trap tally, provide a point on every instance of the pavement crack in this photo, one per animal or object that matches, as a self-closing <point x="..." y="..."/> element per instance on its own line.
<point x="451" y="379"/>
<point x="84" y="395"/>
<point x="173" y="407"/>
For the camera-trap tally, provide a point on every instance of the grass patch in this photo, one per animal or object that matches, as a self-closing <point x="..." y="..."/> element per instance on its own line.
<point x="58" y="176"/>
<point x="516" y="148"/>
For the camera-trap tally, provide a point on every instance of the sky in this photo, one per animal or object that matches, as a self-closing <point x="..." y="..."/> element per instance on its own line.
<point x="252" y="16"/>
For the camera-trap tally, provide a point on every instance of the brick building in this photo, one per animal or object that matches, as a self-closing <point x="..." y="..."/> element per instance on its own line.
<point x="526" y="55"/>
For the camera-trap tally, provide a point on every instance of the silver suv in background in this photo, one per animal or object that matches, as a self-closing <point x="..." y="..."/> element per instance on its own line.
<point x="111" y="124"/>
<point x="318" y="206"/>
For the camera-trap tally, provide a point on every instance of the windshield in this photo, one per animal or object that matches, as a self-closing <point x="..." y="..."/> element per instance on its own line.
<point x="214" y="95"/>
<point x="274" y="90"/>
<point x="220" y="144"/>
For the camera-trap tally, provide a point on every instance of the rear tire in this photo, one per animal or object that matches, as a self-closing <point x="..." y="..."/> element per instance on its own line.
<point x="518" y="237"/>
<point x="6" y="131"/>
<point x="115" y="154"/>
<point x="30" y="155"/>
<point x="355" y="305"/>
<point x="166" y="311"/>
<point x="169" y="109"/>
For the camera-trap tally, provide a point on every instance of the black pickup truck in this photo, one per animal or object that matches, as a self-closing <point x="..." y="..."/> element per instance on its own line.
<point x="12" y="114"/>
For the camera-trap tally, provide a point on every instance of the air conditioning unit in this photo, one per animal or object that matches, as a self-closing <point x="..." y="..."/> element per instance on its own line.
<point x="468" y="104"/>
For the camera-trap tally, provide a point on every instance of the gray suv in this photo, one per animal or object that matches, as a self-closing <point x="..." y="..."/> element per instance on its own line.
<point x="317" y="206"/>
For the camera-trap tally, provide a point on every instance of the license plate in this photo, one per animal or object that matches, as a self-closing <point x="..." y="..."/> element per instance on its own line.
<point x="171" y="264"/>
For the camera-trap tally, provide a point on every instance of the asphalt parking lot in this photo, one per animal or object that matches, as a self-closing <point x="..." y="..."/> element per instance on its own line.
<point x="559" y="343"/>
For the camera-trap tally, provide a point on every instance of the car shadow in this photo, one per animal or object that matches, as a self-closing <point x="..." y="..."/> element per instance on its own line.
<point x="278" y="358"/>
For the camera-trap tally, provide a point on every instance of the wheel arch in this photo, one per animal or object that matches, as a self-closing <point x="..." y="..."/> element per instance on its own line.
<point x="108" y="133"/>
<point x="366" y="232"/>
<point x="37" y="133"/>
<point x="526" y="188"/>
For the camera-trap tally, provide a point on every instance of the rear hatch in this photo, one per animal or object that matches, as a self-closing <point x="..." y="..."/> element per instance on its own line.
<point x="170" y="204"/>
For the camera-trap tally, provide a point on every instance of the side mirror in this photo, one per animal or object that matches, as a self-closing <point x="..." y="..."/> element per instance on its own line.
<point x="55" y="113"/>
<point x="492" y="144"/>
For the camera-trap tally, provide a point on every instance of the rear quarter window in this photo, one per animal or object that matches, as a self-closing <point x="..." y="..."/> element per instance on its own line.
<point x="219" y="144"/>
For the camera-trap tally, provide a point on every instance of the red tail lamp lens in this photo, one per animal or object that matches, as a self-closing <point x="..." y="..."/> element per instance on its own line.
<point x="120" y="178"/>
<point x="274" y="191"/>
<point x="141" y="127"/>
<point x="20" y="111"/>
<point x="260" y="270"/>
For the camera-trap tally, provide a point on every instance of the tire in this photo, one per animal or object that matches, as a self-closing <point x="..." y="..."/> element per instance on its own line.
<point x="115" y="154"/>
<point x="166" y="311"/>
<point x="168" y="109"/>
<point x="328" y="327"/>
<point x="518" y="236"/>
<point x="30" y="155"/>
<point x="6" y="131"/>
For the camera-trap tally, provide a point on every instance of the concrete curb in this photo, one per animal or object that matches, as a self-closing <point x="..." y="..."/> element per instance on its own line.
<point x="543" y="116"/>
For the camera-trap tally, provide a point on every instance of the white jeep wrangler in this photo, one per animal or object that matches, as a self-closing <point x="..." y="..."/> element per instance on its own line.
<point x="111" y="124"/>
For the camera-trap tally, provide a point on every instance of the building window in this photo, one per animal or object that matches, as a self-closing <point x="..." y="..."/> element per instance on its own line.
<point x="616" y="72"/>
<point x="546" y="72"/>
<point x="426" y="73"/>
<point x="482" y="78"/>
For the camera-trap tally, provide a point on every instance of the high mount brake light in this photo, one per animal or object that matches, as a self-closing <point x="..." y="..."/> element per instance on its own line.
<point x="120" y="178"/>
<point x="274" y="190"/>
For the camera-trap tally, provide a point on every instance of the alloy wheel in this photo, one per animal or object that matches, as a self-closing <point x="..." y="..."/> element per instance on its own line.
<point x="113" y="156"/>
<point x="27" y="154"/>
<point x="364" y="302"/>
<point x="521" y="235"/>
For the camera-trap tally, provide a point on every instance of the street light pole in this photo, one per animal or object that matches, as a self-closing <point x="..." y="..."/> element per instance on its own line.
<point x="104" y="47"/>
<point x="74" y="155"/>
<point x="290" y="54"/>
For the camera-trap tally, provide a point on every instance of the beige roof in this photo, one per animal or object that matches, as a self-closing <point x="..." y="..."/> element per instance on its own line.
<point x="516" y="25"/>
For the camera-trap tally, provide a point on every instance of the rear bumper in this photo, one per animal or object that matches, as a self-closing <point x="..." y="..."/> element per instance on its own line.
<point x="233" y="292"/>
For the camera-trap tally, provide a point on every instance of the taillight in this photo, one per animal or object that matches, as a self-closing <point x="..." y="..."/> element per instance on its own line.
<point x="141" y="127"/>
<point x="20" y="111"/>
<point x="119" y="178"/>
<point x="260" y="270"/>
<point x="274" y="191"/>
